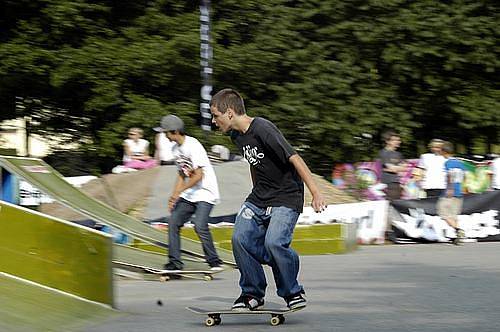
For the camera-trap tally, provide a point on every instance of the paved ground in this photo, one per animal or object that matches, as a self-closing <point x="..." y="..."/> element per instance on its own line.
<point x="377" y="288"/>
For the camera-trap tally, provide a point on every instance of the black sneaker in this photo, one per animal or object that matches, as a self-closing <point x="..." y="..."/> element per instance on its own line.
<point x="173" y="267"/>
<point x="296" y="301"/>
<point x="247" y="302"/>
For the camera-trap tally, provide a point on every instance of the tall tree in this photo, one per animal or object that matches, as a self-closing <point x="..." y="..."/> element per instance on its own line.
<point x="330" y="73"/>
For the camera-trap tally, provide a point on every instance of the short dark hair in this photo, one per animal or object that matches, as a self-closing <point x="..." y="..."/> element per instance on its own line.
<point x="228" y="98"/>
<point x="388" y="134"/>
<point x="447" y="147"/>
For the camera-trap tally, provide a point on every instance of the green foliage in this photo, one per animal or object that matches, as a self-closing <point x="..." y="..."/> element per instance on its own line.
<point x="325" y="71"/>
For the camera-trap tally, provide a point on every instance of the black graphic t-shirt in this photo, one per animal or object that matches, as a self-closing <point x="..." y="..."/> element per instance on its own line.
<point x="276" y="182"/>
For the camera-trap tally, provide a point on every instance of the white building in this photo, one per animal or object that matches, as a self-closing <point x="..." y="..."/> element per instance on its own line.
<point x="13" y="136"/>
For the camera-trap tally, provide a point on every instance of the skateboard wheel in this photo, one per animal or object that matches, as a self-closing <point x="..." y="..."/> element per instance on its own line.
<point x="275" y="321"/>
<point x="164" y="278"/>
<point x="210" y="321"/>
<point x="207" y="278"/>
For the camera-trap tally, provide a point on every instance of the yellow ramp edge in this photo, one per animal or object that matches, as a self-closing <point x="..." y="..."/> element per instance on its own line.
<point x="56" y="253"/>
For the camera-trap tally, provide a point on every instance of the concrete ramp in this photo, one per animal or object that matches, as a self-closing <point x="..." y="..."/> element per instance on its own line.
<point x="234" y="182"/>
<point x="49" y="181"/>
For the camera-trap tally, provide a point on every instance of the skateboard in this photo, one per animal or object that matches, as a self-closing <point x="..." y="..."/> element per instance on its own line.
<point x="277" y="315"/>
<point x="166" y="275"/>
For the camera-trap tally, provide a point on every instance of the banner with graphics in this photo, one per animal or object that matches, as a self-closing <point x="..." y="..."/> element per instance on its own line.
<point x="31" y="196"/>
<point x="418" y="220"/>
<point x="362" y="180"/>
<point x="371" y="218"/>
<point x="477" y="176"/>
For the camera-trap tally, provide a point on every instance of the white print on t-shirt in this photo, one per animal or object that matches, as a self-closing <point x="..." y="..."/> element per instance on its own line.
<point x="252" y="155"/>
<point x="185" y="165"/>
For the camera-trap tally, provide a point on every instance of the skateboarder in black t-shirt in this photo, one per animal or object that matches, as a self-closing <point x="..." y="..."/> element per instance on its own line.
<point x="264" y="226"/>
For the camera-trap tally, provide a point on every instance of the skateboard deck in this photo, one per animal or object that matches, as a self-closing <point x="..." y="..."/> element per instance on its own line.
<point x="165" y="275"/>
<point x="277" y="315"/>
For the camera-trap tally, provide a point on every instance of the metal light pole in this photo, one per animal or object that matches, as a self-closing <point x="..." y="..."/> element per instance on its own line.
<point x="206" y="55"/>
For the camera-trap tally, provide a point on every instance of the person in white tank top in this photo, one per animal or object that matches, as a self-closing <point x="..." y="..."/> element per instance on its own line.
<point x="136" y="151"/>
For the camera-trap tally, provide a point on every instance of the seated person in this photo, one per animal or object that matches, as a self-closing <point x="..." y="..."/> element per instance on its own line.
<point x="163" y="149"/>
<point x="136" y="151"/>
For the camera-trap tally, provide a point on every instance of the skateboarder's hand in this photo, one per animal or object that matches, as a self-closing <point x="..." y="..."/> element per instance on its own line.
<point x="171" y="202"/>
<point x="318" y="203"/>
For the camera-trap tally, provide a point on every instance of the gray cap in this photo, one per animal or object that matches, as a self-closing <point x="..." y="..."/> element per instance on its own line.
<point x="170" y="123"/>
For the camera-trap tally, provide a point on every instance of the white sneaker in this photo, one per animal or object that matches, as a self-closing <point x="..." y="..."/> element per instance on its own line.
<point x="216" y="268"/>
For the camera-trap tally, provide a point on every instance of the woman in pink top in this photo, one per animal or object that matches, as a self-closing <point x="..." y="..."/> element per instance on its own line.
<point x="136" y="151"/>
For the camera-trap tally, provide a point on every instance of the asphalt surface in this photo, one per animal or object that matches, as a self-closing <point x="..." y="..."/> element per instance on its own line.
<point x="426" y="287"/>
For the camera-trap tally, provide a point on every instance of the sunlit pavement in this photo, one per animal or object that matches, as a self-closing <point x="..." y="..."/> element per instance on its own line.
<point x="428" y="287"/>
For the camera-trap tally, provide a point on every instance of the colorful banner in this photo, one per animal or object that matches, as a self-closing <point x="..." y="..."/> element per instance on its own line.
<point x="362" y="180"/>
<point x="418" y="219"/>
<point x="477" y="176"/>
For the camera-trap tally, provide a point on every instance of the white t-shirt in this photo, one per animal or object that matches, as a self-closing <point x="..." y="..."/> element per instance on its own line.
<point x="435" y="174"/>
<point x="495" y="167"/>
<point x="164" y="146"/>
<point x="190" y="156"/>
<point x="136" y="148"/>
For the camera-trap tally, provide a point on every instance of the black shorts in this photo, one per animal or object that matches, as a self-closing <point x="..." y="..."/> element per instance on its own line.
<point x="433" y="192"/>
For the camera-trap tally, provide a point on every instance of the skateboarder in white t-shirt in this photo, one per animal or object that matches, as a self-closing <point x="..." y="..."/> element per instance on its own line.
<point x="195" y="193"/>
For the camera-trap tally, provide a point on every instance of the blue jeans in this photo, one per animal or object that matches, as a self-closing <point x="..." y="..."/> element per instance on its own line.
<point x="181" y="214"/>
<point x="263" y="236"/>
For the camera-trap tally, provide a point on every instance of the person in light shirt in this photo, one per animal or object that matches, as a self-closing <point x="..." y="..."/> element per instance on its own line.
<point x="495" y="170"/>
<point x="136" y="151"/>
<point x="449" y="204"/>
<point x="432" y="164"/>
<point x="164" y="149"/>
<point x="195" y="193"/>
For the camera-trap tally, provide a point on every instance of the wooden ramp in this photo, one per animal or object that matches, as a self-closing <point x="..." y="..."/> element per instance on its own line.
<point x="52" y="183"/>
